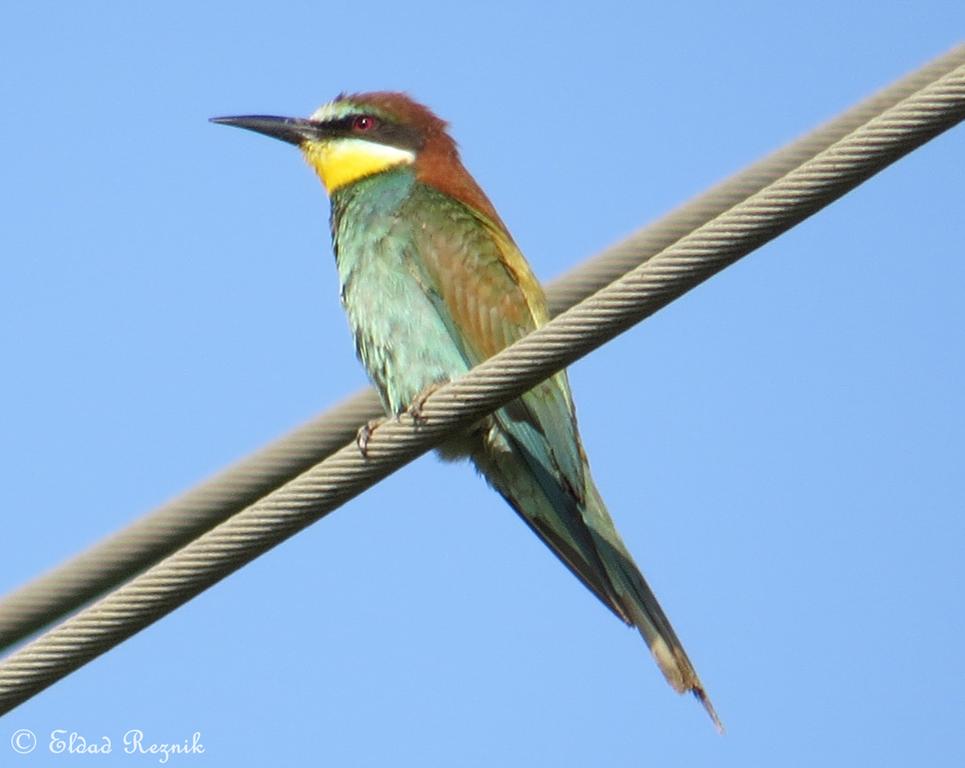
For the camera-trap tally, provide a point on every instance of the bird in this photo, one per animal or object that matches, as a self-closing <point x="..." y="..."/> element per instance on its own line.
<point x="433" y="283"/>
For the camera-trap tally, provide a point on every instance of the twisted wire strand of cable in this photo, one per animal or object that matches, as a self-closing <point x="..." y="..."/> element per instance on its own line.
<point x="169" y="527"/>
<point x="455" y="406"/>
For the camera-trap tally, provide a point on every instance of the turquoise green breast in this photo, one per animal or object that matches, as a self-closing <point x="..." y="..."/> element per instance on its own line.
<point x="399" y="334"/>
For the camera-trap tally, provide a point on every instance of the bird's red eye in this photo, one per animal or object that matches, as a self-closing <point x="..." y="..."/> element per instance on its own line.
<point x="365" y="123"/>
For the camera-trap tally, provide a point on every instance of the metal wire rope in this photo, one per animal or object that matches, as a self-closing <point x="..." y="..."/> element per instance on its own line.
<point x="147" y="540"/>
<point x="573" y="334"/>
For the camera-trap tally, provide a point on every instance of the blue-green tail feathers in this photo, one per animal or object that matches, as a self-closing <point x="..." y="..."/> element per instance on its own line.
<point x="578" y="528"/>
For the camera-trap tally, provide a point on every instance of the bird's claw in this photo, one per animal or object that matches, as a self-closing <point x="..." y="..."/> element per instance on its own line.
<point x="414" y="412"/>
<point x="365" y="434"/>
<point x="415" y="407"/>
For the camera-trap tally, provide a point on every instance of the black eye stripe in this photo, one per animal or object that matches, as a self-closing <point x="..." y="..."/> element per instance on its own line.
<point x="341" y="125"/>
<point x="384" y="132"/>
<point x="399" y="135"/>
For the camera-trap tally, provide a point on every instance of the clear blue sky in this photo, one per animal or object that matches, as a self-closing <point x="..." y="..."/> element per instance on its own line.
<point x="782" y="449"/>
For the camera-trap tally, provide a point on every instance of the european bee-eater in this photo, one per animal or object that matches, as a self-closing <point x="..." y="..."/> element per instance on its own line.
<point x="433" y="284"/>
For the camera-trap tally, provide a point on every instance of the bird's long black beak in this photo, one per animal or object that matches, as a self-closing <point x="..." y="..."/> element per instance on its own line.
<point x="294" y="130"/>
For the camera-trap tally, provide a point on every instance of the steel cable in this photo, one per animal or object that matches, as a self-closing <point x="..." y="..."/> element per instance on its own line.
<point x="144" y="542"/>
<point x="576" y="332"/>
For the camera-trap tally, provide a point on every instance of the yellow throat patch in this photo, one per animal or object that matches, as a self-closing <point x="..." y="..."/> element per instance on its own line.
<point x="341" y="161"/>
